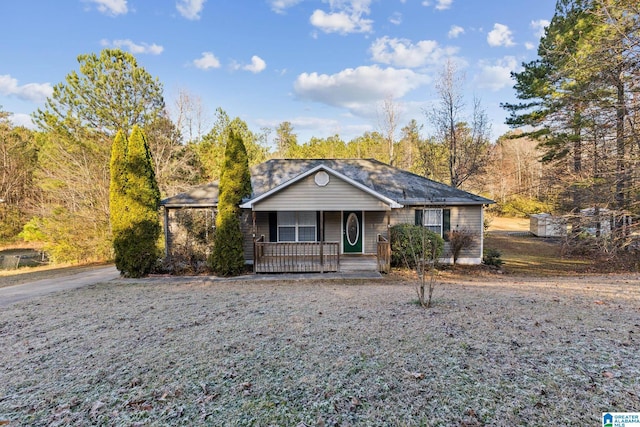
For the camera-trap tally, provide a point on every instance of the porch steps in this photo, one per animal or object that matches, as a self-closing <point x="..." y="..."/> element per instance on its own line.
<point x="353" y="263"/>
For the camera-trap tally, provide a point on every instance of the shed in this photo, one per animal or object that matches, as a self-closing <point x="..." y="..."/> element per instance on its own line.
<point x="547" y="225"/>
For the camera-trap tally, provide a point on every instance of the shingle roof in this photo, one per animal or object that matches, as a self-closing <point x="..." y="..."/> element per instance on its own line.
<point x="404" y="187"/>
<point x="205" y="195"/>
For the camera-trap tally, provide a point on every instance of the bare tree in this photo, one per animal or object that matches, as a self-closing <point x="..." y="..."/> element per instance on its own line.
<point x="190" y="116"/>
<point x="175" y="164"/>
<point x="465" y="141"/>
<point x="390" y="112"/>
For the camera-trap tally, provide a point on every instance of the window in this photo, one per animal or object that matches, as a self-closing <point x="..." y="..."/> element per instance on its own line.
<point x="296" y="226"/>
<point x="432" y="219"/>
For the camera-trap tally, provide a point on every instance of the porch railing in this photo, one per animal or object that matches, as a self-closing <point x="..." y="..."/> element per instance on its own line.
<point x="295" y="257"/>
<point x="384" y="254"/>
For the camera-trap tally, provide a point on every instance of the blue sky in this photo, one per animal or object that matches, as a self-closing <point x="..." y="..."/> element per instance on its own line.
<point x="326" y="66"/>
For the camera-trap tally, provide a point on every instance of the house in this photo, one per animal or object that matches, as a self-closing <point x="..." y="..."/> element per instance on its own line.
<point x="307" y="215"/>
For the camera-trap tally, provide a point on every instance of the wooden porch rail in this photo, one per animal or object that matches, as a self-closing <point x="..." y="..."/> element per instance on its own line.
<point x="384" y="254"/>
<point x="295" y="257"/>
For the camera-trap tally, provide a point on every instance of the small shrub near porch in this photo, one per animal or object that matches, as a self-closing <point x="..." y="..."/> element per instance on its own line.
<point x="413" y="243"/>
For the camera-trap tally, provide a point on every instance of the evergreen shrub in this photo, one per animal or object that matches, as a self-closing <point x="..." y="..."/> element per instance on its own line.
<point x="412" y="243"/>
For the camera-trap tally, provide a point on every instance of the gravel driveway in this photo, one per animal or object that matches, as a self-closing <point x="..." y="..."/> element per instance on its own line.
<point x="15" y="293"/>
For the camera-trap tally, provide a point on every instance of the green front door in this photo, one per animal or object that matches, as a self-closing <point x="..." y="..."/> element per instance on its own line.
<point x="352" y="231"/>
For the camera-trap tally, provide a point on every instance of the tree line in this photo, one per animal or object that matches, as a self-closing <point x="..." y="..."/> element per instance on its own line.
<point x="575" y="142"/>
<point x="579" y="101"/>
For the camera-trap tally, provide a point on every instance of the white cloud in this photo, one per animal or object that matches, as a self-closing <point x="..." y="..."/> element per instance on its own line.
<point x="496" y="76"/>
<point x="357" y="88"/>
<point x="111" y="7"/>
<point x="34" y="92"/>
<point x="396" y="18"/>
<point x="539" y="26"/>
<point x="207" y="61"/>
<point x="403" y="53"/>
<point x="21" y="119"/>
<point x="340" y="22"/>
<point x="443" y="4"/>
<point x="501" y="35"/>
<point x="346" y="16"/>
<point x="455" y="31"/>
<point x="529" y="46"/>
<point x="439" y="5"/>
<point x="190" y="9"/>
<point x="280" y="6"/>
<point x="257" y="65"/>
<point x="135" y="48"/>
<point x="303" y="122"/>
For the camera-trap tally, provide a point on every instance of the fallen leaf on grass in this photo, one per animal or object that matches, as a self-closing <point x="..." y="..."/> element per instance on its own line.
<point x="415" y="375"/>
<point x="140" y="405"/>
<point x="4" y="422"/>
<point x="608" y="374"/>
<point x="95" y="408"/>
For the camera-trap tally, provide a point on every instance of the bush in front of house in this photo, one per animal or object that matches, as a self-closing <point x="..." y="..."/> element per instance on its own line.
<point x="227" y="256"/>
<point x="460" y="240"/>
<point x="413" y="243"/>
<point x="134" y="198"/>
<point x="492" y="257"/>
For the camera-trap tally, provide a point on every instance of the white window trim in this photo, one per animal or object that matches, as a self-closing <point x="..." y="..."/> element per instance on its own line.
<point x="297" y="227"/>
<point x="424" y="219"/>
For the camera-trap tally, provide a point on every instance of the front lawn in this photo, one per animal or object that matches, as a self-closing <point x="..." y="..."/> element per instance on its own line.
<point x="494" y="350"/>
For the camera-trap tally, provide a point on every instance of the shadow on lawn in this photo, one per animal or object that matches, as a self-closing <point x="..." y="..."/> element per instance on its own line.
<point x="529" y="255"/>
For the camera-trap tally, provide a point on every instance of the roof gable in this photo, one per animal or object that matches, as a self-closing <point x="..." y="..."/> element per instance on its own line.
<point x="320" y="167"/>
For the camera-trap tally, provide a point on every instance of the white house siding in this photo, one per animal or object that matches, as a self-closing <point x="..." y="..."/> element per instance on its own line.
<point x="306" y="195"/>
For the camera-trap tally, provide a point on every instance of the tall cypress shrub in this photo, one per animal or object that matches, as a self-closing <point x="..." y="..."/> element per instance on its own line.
<point x="227" y="257"/>
<point x="117" y="168"/>
<point x="134" y="200"/>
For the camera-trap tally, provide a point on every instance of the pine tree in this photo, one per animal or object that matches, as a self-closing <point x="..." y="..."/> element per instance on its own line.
<point x="134" y="199"/>
<point x="227" y="257"/>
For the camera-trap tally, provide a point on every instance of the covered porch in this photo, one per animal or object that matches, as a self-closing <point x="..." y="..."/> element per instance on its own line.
<point x="317" y="257"/>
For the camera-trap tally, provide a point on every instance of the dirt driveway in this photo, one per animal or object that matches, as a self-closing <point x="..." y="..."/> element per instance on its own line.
<point x="20" y="292"/>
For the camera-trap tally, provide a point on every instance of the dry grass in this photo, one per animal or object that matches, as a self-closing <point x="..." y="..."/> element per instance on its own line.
<point x="493" y="351"/>
<point x="535" y="256"/>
